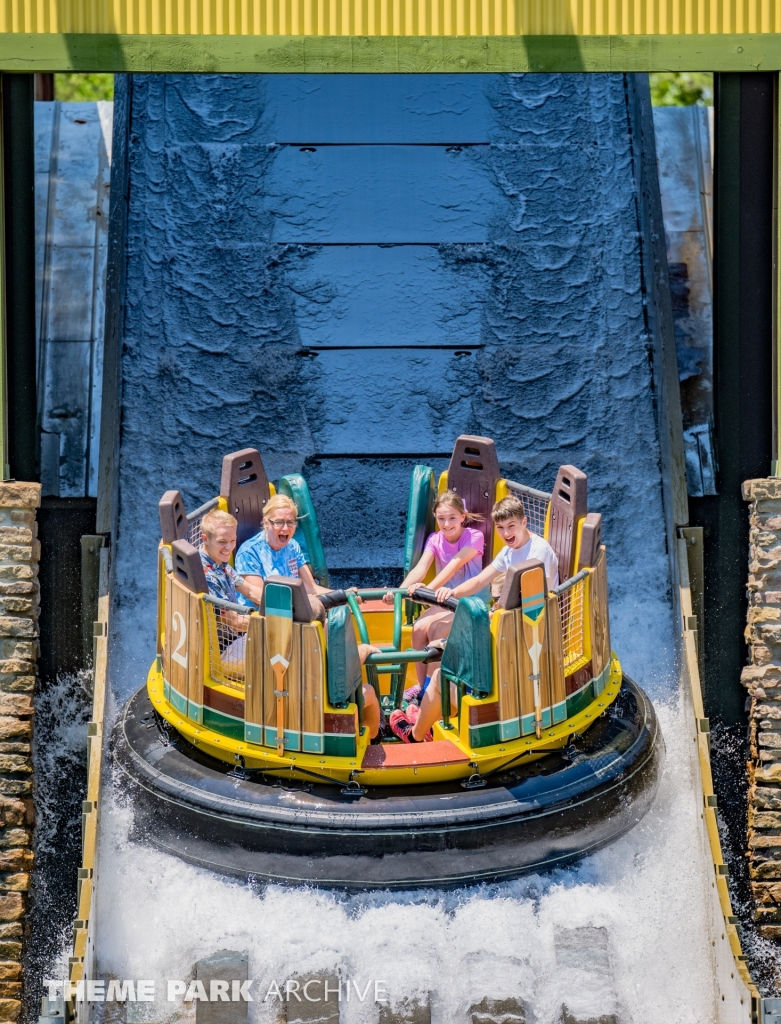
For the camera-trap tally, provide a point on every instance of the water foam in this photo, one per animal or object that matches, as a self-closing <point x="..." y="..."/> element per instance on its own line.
<point x="62" y="709"/>
<point x="158" y="916"/>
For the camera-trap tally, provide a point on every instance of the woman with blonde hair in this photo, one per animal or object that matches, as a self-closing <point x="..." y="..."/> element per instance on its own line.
<point x="274" y="551"/>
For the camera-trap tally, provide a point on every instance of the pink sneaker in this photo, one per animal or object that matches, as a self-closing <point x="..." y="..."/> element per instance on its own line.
<point x="402" y="723"/>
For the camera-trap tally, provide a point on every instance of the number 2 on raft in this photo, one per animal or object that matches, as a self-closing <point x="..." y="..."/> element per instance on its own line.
<point x="178" y="626"/>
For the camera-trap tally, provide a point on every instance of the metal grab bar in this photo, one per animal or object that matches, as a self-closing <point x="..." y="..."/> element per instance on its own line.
<point x="563" y="587"/>
<point x="542" y="495"/>
<point x="405" y="657"/>
<point x="228" y="606"/>
<point x="206" y="507"/>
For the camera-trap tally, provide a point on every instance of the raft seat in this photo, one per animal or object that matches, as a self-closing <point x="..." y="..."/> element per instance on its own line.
<point x="245" y="487"/>
<point x="308" y="532"/>
<point x="420" y="517"/>
<point x="568" y="506"/>
<point x="473" y="474"/>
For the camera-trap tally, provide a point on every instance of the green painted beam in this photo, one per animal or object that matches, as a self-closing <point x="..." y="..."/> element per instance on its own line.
<point x="382" y="54"/>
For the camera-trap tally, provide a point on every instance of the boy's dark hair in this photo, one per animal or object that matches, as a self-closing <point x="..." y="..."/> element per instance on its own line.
<point x="508" y="507"/>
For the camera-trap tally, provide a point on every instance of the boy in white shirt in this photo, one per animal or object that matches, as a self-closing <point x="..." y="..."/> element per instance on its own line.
<point x="509" y="517"/>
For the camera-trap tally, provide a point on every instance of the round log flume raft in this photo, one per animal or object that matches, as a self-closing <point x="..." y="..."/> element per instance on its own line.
<point x="473" y="729"/>
<point x="529" y="817"/>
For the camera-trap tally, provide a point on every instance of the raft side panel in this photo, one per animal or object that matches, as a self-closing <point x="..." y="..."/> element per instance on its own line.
<point x="558" y="687"/>
<point x="600" y="622"/>
<point x="507" y="673"/>
<point x="253" y="693"/>
<point x="195" y="656"/>
<point x="406" y="836"/>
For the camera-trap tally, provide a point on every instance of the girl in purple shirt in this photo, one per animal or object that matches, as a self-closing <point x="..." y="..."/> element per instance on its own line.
<point x="457" y="550"/>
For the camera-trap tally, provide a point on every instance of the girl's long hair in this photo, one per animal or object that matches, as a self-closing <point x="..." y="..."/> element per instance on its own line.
<point x="453" y="500"/>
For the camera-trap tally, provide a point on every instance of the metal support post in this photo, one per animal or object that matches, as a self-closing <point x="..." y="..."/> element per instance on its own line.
<point x="19" y="265"/>
<point x="744" y="197"/>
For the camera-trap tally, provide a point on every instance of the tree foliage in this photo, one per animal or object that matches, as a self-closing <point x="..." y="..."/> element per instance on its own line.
<point x="682" y="89"/>
<point x="76" y="88"/>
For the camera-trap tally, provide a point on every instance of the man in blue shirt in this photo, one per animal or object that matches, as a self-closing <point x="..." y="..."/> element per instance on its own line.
<point x="218" y="539"/>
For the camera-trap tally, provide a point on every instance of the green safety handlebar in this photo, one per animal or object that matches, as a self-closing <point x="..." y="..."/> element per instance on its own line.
<point x="405" y="657"/>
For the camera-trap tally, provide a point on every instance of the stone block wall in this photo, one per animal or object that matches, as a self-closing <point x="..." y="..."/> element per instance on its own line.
<point x="19" y="600"/>
<point x="762" y="679"/>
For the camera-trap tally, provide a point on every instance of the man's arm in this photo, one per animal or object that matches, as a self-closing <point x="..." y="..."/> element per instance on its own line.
<point x="473" y="586"/>
<point x="305" y="573"/>
<point x="252" y="589"/>
<point x="236" y="621"/>
<point x="552" y="571"/>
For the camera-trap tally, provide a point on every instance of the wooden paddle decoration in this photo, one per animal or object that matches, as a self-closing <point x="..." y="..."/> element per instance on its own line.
<point x="533" y="611"/>
<point x="279" y="644"/>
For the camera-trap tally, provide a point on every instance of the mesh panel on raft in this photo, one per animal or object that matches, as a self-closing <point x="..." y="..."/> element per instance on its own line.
<point x="535" y="504"/>
<point x="227" y="645"/>
<point x="572" y="608"/>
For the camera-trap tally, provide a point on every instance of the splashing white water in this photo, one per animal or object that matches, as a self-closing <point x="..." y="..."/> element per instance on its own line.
<point x="158" y="916"/>
<point x="62" y="709"/>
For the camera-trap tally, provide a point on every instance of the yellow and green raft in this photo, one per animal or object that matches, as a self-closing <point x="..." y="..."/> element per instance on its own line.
<point x="529" y="676"/>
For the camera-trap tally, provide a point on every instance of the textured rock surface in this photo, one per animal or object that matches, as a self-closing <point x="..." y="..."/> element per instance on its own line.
<point x="349" y="308"/>
<point x="762" y="679"/>
<point x="19" y="554"/>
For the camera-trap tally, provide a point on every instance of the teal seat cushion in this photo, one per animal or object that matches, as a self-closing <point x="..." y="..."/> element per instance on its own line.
<point x="308" y="532"/>
<point x="420" y="515"/>
<point x="467" y="657"/>
<point x="343" y="662"/>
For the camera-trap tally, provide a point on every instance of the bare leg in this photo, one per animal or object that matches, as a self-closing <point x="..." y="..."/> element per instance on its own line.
<point x="371" y="710"/>
<point x="431" y="625"/>
<point x="431" y="707"/>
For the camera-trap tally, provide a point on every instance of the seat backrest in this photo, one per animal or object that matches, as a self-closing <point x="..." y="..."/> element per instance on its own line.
<point x="244" y="485"/>
<point x="420" y="517"/>
<point x="188" y="567"/>
<point x="569" y="504"/>
<point x="590" y="541"/>
<point x="302" y="609"/>
<point x="467" y="656"/>
<point x="344" y="663"/>
<point x="308" y="532"/>
<point x="510" y="597"/>
<point x="473" y="473"/>
<point x="173" y="519"/>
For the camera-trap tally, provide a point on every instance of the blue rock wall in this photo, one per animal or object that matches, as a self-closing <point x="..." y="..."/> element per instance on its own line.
<point x="348" y="271"/>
